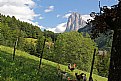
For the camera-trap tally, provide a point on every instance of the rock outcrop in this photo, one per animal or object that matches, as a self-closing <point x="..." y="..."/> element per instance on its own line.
<point x="75" y="22"/>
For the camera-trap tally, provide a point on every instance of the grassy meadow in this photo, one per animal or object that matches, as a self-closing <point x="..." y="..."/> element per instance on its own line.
<point x="25" y="68"/>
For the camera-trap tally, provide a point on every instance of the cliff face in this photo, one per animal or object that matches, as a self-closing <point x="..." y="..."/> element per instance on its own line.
<point x="75" y="22"/>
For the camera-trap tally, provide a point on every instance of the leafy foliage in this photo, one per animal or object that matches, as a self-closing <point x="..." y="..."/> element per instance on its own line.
<point x="110" y="20"/>
<point x="103" y="65"/>
<point x="11" y="28"/>
<point x="72" y="48"/>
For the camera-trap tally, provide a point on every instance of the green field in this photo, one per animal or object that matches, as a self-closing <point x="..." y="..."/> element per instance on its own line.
<point x="25" y="68"/>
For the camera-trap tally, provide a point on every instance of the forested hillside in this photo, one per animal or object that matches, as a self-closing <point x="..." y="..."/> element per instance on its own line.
<point x="11" y="28"/>
<point x="104" y="41"/>
<point x="69" y="47"/>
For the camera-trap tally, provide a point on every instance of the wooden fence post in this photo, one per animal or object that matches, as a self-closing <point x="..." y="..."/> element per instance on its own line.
<point x="90" y="77"/>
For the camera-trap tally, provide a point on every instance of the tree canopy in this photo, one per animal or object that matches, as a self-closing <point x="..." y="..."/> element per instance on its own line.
<point x="72" y="47"/>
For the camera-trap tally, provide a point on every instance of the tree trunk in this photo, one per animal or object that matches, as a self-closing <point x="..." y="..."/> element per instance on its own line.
<point x="115" y="59"/>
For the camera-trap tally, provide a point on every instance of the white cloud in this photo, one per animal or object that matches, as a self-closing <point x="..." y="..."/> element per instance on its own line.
<point x="49" y="9"/>
<point x="36" y="23"/>
<point x="42" y="27"/>
<point x="51" y="29"/>
<point x="41" y="18"/>
<point x="21" y="9"/>
<point x="60" y="28"/>
<point x="66" y="15"/>
<point x="18" y="3"/>
<point x="58" y="15"/>
<point x="70" y="11"/>
<point x="85" y="17"/>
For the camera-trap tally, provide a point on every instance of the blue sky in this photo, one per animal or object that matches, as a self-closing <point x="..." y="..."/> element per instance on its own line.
<point x="49" y="14"/>
<point x="63" y="7"/>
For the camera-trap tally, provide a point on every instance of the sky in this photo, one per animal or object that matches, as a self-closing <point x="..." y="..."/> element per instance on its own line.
<point x="50" y="14"/>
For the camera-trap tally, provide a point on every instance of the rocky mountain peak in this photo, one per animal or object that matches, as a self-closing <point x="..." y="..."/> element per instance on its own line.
<point x="75" y="22"/>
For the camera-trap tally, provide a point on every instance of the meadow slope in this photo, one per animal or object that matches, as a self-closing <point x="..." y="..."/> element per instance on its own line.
<point x="25" y="68"/>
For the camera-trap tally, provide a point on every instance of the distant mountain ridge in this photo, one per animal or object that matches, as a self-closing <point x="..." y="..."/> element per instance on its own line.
<point x="86" y="29"/>
<point x="75" y="22"/>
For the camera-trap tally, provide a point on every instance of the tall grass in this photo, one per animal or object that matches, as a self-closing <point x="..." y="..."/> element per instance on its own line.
<point x="25" y="68"/>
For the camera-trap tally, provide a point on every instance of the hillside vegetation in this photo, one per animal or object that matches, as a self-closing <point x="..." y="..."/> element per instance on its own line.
<point x="74" y="47"/>
<point x="25" y="68"/>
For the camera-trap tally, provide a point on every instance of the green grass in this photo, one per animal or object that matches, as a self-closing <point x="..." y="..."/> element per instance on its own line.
<point x="31" y="40"/>
<point x="25" y="68"/>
